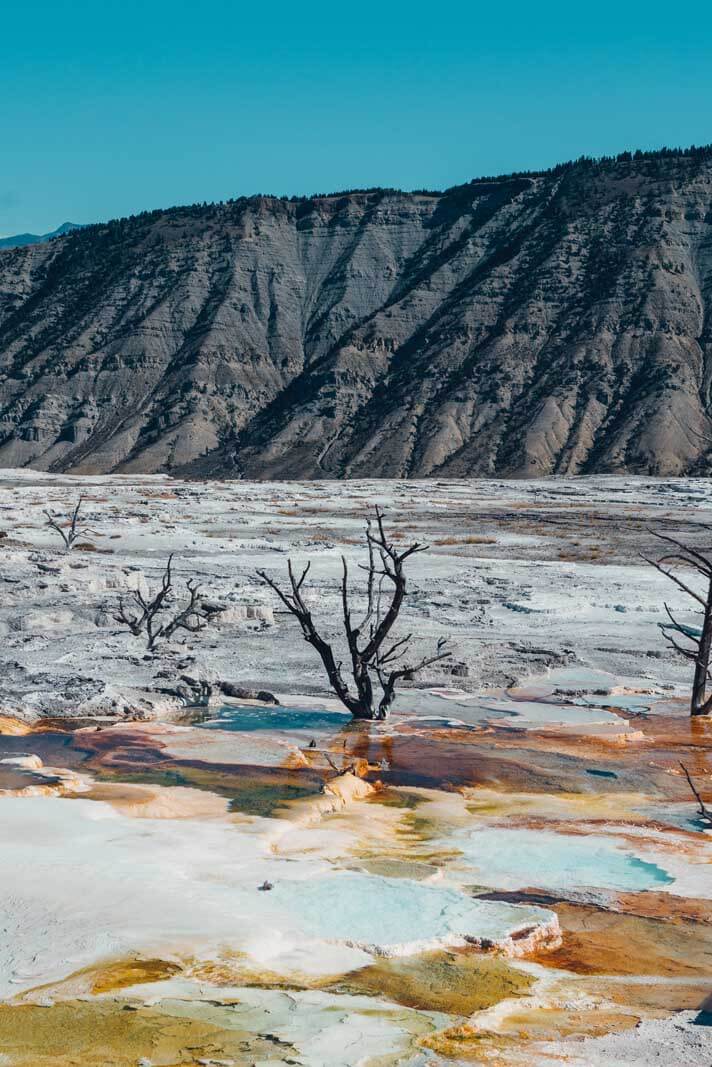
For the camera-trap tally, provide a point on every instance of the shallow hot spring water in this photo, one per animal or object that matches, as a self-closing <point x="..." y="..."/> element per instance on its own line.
<point x="409" y="916"/>
<point x="249" y="718"/>
<point x="541" y="859"/>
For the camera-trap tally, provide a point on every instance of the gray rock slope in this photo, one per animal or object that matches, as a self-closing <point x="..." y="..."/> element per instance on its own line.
<point x="521" y="326"/>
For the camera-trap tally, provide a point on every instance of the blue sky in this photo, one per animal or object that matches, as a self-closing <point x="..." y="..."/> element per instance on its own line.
<point x="108" y="108"/>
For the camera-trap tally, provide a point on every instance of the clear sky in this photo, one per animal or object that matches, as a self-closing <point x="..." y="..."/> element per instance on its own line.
<point x="108" y="108"/>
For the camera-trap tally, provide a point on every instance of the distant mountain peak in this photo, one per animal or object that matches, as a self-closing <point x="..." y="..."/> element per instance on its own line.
<point x="19" y="239"/>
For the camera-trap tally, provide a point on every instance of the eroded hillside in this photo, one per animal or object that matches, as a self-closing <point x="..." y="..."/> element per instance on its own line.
<point x="523" y="326"/>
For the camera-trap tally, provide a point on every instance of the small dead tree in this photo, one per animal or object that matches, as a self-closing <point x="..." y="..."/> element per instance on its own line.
<point x="149" y="615"/>
<point x="69" y="532"/>
<point x="702" y="810"/>
<point x="692" y="642"/>
<point x="372" y="655"/>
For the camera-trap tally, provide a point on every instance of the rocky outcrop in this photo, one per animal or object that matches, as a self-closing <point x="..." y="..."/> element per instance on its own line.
<point x="554" y="323"/>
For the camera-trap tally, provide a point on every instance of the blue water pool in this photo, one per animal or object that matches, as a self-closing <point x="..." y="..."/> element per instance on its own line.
<point x="249" y="718"/>
<point x="515" y="859"/>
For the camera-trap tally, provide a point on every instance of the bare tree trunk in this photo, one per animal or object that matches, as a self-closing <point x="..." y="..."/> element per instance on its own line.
<point x="698" y="645"/>
<point x="699" y="705"/>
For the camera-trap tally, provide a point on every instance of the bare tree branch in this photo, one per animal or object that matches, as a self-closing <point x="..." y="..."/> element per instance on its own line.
<point x="69" y="533"/>
<point x="704" y="561"/>
<point x="699" y="640"/>
<point x="689" y="632"/>
<point x="366" y="640"/>
<point x="657" y="564"/>
<point x="704" y="811"/>
<point x="389" y="682"/>
<point x="149" y="618"/>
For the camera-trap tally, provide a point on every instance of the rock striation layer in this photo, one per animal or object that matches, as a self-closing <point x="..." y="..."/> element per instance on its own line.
<point x="536" y="324"/>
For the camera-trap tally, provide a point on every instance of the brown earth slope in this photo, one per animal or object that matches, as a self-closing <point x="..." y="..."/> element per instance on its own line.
<point x="520" y="326"/>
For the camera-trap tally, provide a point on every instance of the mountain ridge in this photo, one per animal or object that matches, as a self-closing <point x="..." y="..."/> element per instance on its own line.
<point x="18" y="240"/>
<point x="545" y="322"/>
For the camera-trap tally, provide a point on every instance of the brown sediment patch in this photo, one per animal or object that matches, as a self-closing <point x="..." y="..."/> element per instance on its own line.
<point x="536" y="761"/>
<point x="107" y="977"/>
<point x="119" y="754"/>
<point x="509" y="761"/>
<point x="394" y="867"/>
<point x="52" y="789"/>
<point x="648" y="903"/>
<point x="158" y="802"/>
<point x="562" y="808"/>
<point x="376" y="835"/>
<point x="596" y="941"/>
<point x="328" y="757"/>
<point x="232" y="969"/>
<point x="652" y="998"/>
<point x="25" y="775"/>
<point x="397" y="798"/>
<point x="508" y="1044"/>
<point x="674" y="729"/>
<point x="466" y="1043"/>
<point x="251" y="790"/>
<point x="527" y="942"/>
<point x="55" y="748"/>
<point x="345" y="788"/>
<point x="455" y="982"/>
<point x="124" y="973"/>
<point x="336" y="795"/>
<point x="356" y="832"/>
<point x="15" y="782"/>
<point x="657" y="904"/>
<point x="520" y="763"/>
<point x="14" y="727"/>
<point x="138" y="757"/>
<point x="102" y="1032"/>
<point x="237" y="971"/>
<point x="547" y="1023"/>
<point x="118" y="746"/>
<point x="406" y="835"/>
<point x="296" y="759"/>
<point x="426" y="819"/>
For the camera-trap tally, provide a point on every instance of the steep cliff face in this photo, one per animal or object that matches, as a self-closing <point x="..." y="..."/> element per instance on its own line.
<point x="521" y="326"/>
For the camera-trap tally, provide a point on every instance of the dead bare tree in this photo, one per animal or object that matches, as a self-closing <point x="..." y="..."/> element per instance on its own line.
<point x="149" y="616"/>
<point x="703" y="811"/>
<point x="698" y="639"/>
<point x="68" y="532"/>
<point x="371" y="654"/>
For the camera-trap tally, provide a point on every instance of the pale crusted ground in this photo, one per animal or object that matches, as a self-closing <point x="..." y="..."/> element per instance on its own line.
<point x="653" y="1043"/>
<point x="110" y="875"/>
<point x="521" y="576"/>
